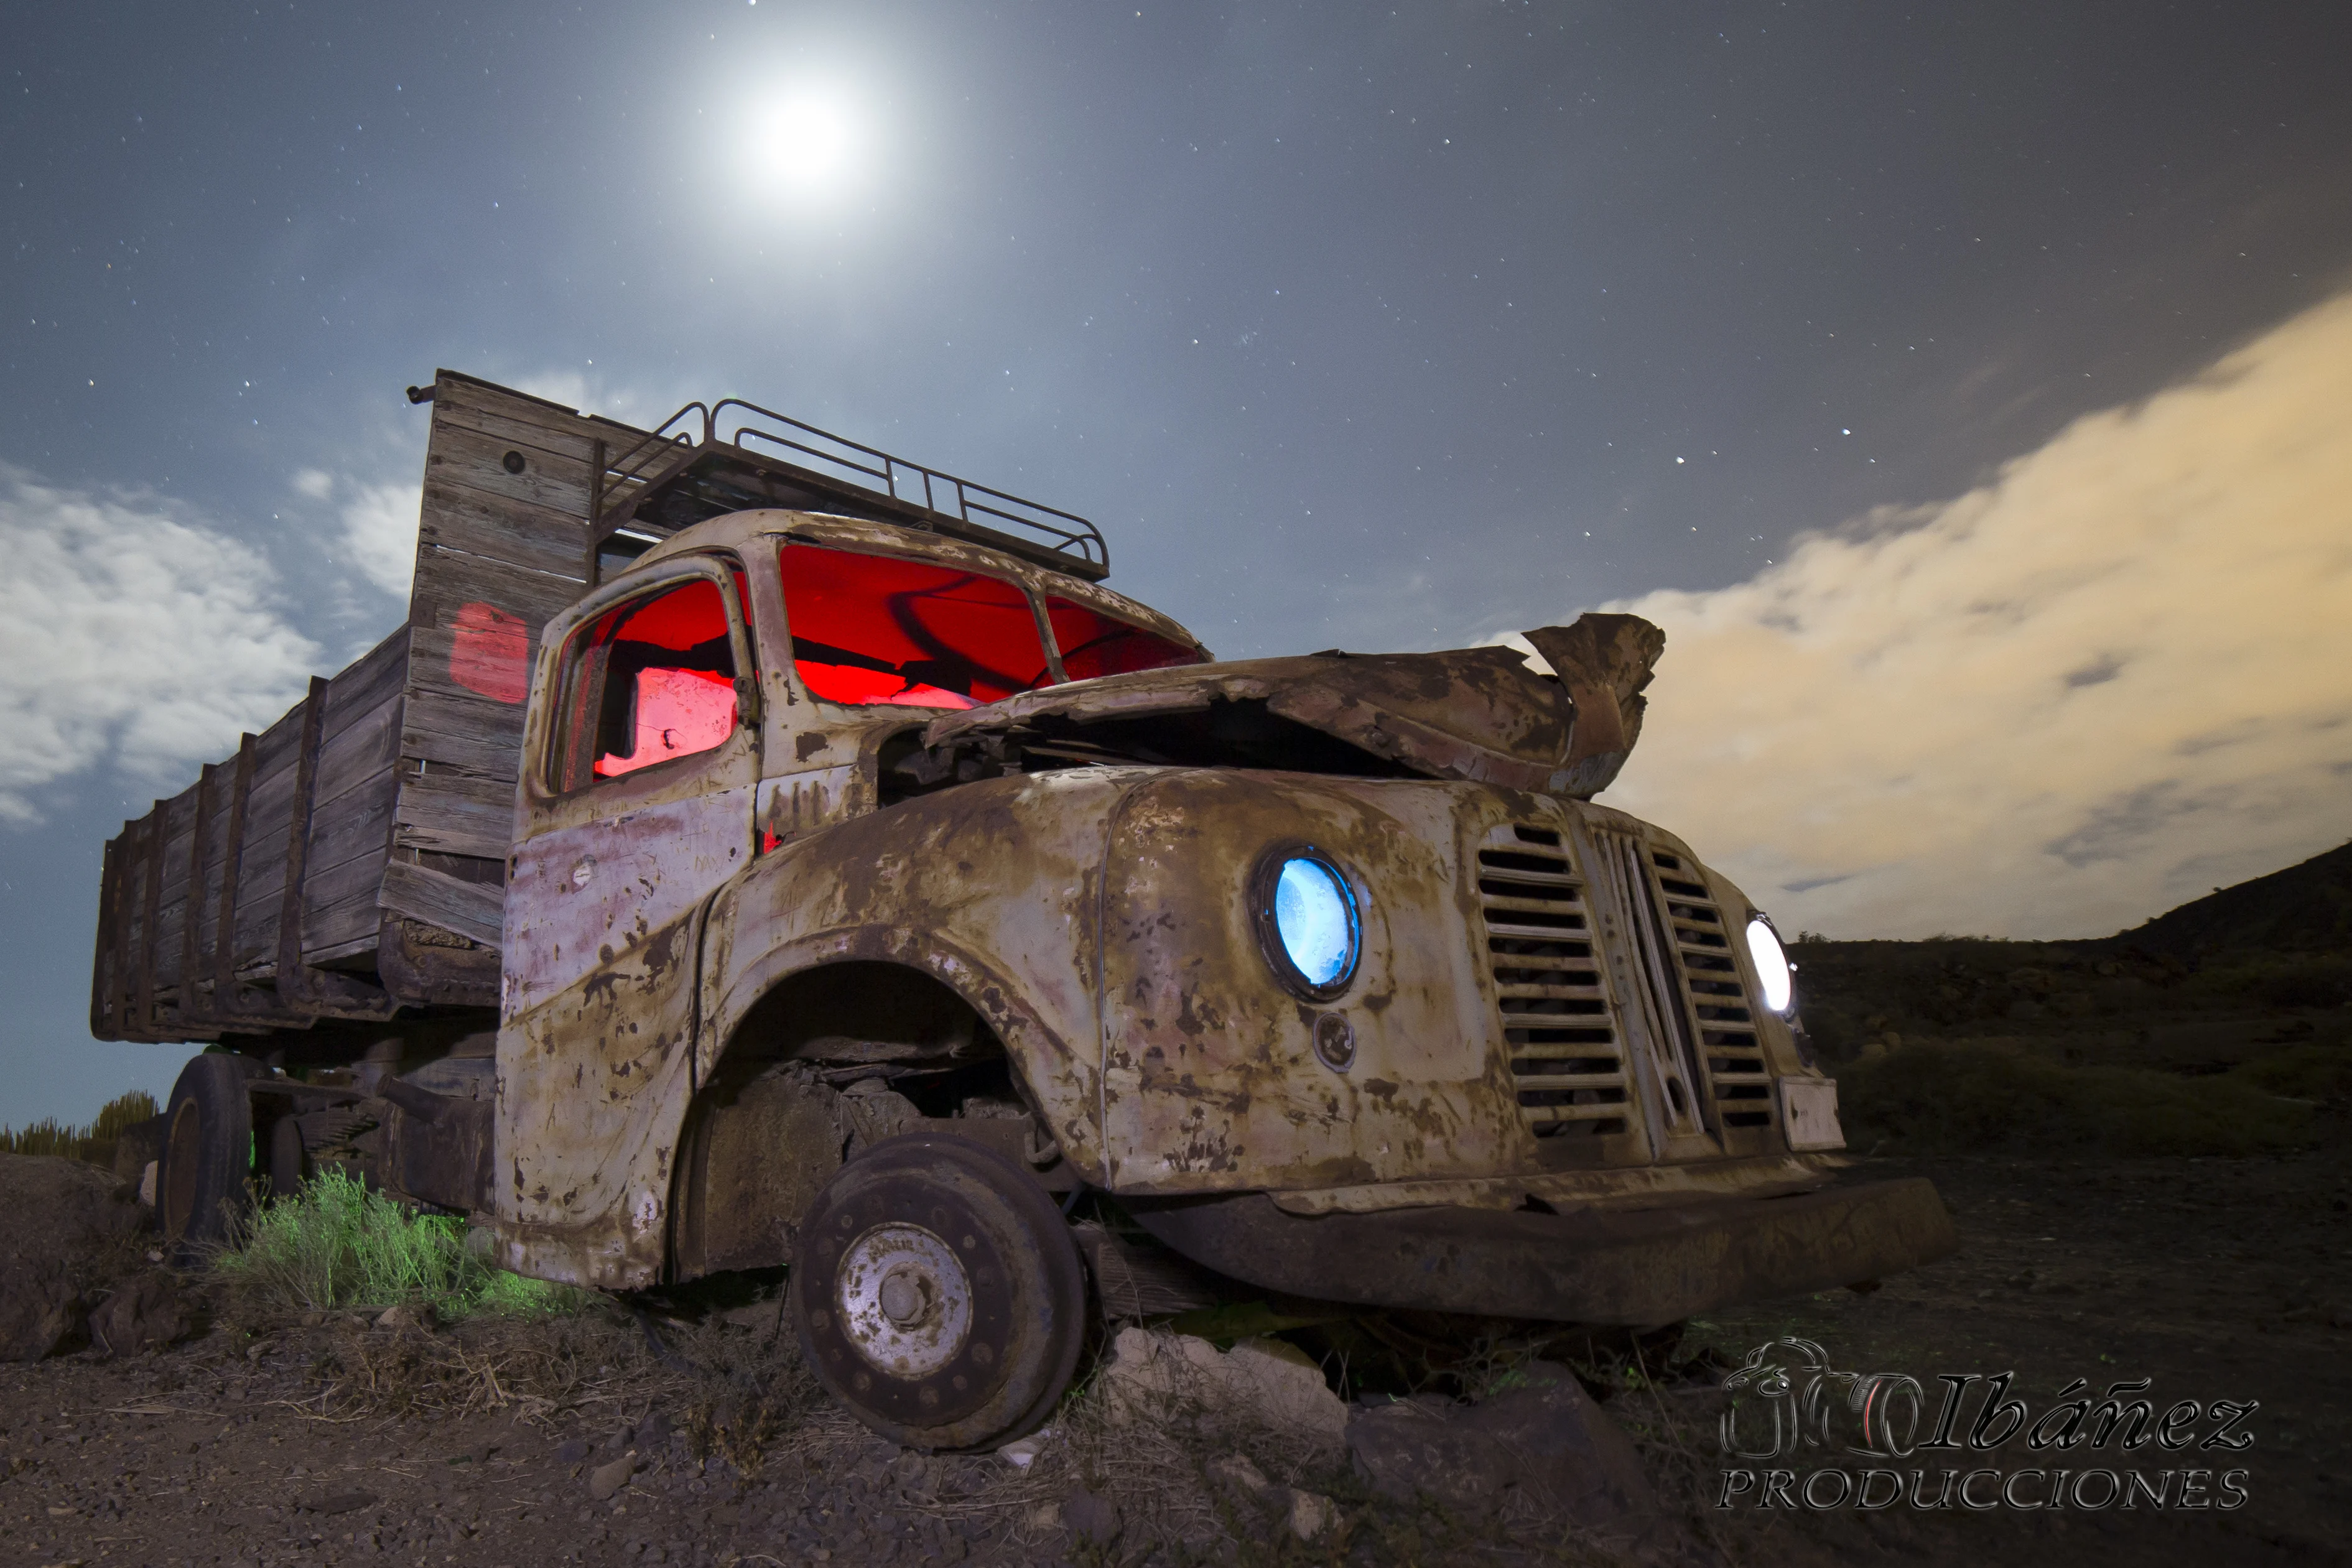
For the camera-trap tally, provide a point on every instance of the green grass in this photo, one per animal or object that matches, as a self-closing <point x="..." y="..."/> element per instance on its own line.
<point x="338" y="1244"/>
<point x="94" y="1143"/>
<point x="1962" y="1098"/>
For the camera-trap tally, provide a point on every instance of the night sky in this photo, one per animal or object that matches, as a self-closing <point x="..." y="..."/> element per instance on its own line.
<point x="1964" y="388"/>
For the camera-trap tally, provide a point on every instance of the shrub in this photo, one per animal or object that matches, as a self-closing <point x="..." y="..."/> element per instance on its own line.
<point x="1930" y="1098"/>
<point x="2313" y="1072"/>
<point x="336" y="1243"/>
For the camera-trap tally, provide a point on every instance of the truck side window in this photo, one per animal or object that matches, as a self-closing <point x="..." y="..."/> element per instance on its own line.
<point x="647" y="681"/>
<point x="1093" y="644"/>
<point x="870" y="629"/>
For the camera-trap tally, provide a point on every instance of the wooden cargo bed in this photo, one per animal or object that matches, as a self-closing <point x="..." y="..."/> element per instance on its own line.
<point x="349" y="861"/>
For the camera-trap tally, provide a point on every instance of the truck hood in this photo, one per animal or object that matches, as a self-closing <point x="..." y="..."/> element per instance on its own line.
<point x="1482" y="715"/>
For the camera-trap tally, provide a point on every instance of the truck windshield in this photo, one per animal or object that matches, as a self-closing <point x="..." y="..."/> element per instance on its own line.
<point x="1093" y="644"/>
<point x="869" y="629"/>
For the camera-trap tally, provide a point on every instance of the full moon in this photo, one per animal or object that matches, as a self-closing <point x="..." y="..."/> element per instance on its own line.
<point x="808" y="142"/>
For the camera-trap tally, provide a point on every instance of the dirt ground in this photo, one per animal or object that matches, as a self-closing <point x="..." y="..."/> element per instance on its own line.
<point x="2217" y="1280"/>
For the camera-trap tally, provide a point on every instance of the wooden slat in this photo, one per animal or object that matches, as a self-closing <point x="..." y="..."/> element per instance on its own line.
<point x="102" y="959"/>
<point x="475" y="734"/>
<point x="339" y="906"/>
<point x="366" y="684"/>
<point x="192" y="902"/>
<point x="539" y="538"/>
<point x="448" y="579"/>
<point x="355" y="825"/>
<point x="471" y="909"/>
<point x="368" y="745"/>
<point x="232" y="854"/>
<point x="429" y="665"/>
<point x="152" y="897"/>
<point x="457" y="456"/>
<point x="298" y="844"/>
<point x="468" y="399"/>
<point x="458" y="817"/>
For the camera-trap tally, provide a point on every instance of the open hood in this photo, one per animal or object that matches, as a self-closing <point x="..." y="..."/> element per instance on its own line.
<point x="1476" y="714"/>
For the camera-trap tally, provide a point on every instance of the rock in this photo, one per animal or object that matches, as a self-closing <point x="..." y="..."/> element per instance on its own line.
<point x="339" y="1501"/>
<point x="136" y="1147"/>
<point x="1090" y="1517"/>
<point x="1236" y="1473"/>
<point x="571" y="1450"/>
<point x="393" y="1319"/>
<point x="1159" y="1376"/>
<point x="57" y="1219"/>
<point x="1548" y="1439"/>
<point x="1312" y="1515"/>
<point x="1022" y="1452"/>
<point x="147" y="1178"/>
<point x="144" y="1312"/>
<point x="607" y="1478"/>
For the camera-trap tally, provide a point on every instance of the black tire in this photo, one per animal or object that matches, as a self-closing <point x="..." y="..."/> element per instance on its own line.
<point x="207" y="1156"/>
<point x="894" y="1242"/>
<point x="290" y="1166"/>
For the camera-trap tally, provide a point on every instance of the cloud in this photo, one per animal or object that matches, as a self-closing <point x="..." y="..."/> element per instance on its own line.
<point x="2115" y="676"/>
<point x="378" y="521"/>
<point x="379" y="533"/>
<point x="130" y="634"/>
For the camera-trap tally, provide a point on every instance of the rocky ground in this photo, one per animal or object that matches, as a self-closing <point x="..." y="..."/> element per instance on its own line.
<point x="341" y="1441"/>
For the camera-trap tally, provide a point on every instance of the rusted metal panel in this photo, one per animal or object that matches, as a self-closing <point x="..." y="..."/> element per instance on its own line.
<point x="1211" y="1077"/>
<point x="1636" y="1268"/>
<point x="1479" y="714"/>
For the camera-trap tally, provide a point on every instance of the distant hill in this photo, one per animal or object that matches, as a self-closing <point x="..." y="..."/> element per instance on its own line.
<point x="2306" y="908"/>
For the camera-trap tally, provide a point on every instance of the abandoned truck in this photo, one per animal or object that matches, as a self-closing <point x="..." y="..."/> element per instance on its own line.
<point x="757" y="850"/>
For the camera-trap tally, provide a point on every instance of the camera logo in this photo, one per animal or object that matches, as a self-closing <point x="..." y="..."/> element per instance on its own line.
<point x="1789" y="1398"/>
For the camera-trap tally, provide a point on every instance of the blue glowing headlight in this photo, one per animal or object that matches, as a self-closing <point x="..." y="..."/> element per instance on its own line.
<point x="1308" y="914"/>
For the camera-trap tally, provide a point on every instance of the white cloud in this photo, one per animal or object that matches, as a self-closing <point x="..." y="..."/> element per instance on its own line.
<point x="315" y="483"/>
<point x="130" y="634"/>
<point x="379" y="533"/>
<point x="2113" y="678"/>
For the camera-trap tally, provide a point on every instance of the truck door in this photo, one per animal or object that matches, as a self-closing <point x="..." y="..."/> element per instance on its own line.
<point x="640" y="761"/>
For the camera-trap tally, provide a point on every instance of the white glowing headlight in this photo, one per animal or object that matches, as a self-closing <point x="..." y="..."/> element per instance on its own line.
<point x="1773" y="971"/>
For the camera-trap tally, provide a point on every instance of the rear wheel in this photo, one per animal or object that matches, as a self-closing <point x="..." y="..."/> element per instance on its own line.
<point x="939" y="1294"/>
<point x="207" y="1154"/>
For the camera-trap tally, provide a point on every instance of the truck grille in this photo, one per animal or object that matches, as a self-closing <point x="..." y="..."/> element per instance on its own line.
<point x="1563" y="1047"/>
<point x="1726" y="1040"/>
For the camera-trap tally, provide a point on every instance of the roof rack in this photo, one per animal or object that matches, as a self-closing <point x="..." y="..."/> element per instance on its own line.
<point x="685" y="471"/>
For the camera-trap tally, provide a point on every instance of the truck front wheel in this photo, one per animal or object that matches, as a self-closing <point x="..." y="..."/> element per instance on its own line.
<point x="937" y="1294"/>
<point x="207" y="1154"/>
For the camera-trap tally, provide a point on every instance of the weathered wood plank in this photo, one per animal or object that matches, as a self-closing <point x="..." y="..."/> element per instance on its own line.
<point x="297" y="845"/>
<point x="224" y="946"/>
<point x="539" y="538"/>
<point x="505" y="402"/>
<point x="355" y="825"/>
<point x="339" y="905"/>
<point x="144" y="1015"/>
<point x="457" y="456"/>
<point x="446" y="580"/>
<point x="471" y="909"/>
<point x="366" y="684"/>
<point x="102" y="953"/>
<point x="432" y="666"/>
<point x="454" y="823"/>
<point x="365" y="747"/>
<point x="569" y="438"/>
<point x="482" y="736"/>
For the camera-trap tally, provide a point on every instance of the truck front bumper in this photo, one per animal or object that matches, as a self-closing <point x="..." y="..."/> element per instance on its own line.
<point x="1639" y="1268"/>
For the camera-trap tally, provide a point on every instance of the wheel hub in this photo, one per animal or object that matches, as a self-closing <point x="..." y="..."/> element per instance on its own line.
<point x="905" y="1301"/>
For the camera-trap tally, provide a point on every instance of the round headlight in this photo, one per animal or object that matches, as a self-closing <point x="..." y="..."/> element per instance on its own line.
<point x="1308" y="922"/>
<point x="1772" y="968"/>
